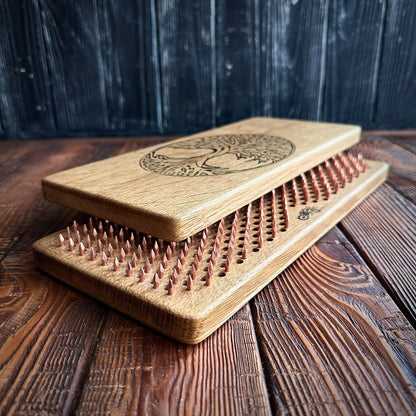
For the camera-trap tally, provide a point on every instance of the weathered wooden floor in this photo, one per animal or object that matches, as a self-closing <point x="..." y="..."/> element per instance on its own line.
<point x="333" y="334"/>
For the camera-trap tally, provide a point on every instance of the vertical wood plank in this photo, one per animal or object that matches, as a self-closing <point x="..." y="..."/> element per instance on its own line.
<point x="136" y="371"/>
<point x="74" y="59"/>
<point x="73" y="69"/>
<point x="396" y="91"/>
<point x="402" y="162"/>
<point x="237" y="59"/>
<point x="332" y="340"/>
<point x="25" y="99"/>
<point x="185" y="51"/>
<point x="43" y="341"/>
<point x="405" y="141"/>
<point x="293" y="69"/>
<point x="45" y="347"/>
<point x="383" y="228"/>
<point x="355" y="35"/>
<point x="129" y="65"/>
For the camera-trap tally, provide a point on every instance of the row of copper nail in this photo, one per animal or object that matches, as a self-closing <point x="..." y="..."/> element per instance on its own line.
<point x="325" y="178"/>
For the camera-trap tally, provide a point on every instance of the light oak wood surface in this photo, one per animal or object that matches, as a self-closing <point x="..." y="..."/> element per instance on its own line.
<point x="177" y="204"/>
<point x="190" y="316"/>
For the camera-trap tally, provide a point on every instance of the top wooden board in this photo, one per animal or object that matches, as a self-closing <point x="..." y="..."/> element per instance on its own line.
<point x="174" y="190"/>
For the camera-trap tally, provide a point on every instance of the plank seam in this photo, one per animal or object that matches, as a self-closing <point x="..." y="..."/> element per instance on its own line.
<point x="256" y="341"/>
<point x="378" y="63"/>
<point x="157" y="66"/>
<point x="49" y="71"/>
<point x="323" y="62"/>
<point x="72" y="405"/>
<point x="395" y="143"/>
<point x="212" y="28"/>
<point x="366" y="258"/>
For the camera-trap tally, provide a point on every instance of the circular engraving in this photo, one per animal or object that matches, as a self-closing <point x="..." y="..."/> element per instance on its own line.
<point x="217" y="155"/>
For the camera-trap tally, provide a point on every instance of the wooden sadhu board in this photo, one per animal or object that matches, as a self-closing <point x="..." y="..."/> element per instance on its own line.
<point x="174" y="190"/>
<point x="189" y="231"/>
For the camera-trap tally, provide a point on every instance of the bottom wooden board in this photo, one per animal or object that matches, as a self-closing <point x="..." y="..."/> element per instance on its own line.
<point x="270" y="234"/>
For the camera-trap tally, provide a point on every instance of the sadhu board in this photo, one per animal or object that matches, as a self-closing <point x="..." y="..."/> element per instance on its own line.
<point x="185" y="233"/>
<point x="174" y="190"/>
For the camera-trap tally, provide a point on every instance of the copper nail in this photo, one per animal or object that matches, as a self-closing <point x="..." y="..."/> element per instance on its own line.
<point x="129" y="269"/>
<point x="192" y="273"/>
<point x="105" y="238"/>
<point x="152" y="256"/>
<point x="134" y="260"/>
<point x="116" y="264"/>
<point x="208" y="278"/>
<point x="178" y="266"/>
<point x="141" y="274"/>
<point x="139" y="251"/>
<point x="170" y="287"/>
<point x="122" y="255"/>
<point x="165" y="261"/>
<point x="156" y="281"/>
<point x="189" y="283"/>
<point x="127" y="247"/>
<point x="196" y="262"/>
<point x="147" y="265"/>
<point x="161" y="271"/>
<point x="182" y="257"/>
<point x="175" y="276"/>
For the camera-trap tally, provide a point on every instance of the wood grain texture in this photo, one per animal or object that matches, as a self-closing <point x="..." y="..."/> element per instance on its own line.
<point x="71" y="69"/>
<point x="396" y="87"/>
<point x="405" y="142"/>
<point x="237" y="56"/>
<point x="37" y="326"/>
<point x="402" y="175"/>
<point x="45" y="347"/>
<point x="381" y="382"/>
<point x="292" y="65"/>
<point x="383" y="229"/>
<point x="44" y="343"/>
<point x="135" y="371"/>
<point x="190" y="316"/>
<point x="322" y="327"/>
<point x="178" y="190"/>
<point x="24" y="81"/>
<point x="185" y="42"/>
<point x="349" y="24"/>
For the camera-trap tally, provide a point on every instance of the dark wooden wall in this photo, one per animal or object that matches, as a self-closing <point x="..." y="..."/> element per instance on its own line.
<point x="73" y="68"/>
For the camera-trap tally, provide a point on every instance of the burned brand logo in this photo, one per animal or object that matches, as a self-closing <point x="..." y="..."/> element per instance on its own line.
<point x="304" y="213"/>
<point x="217" y="155"/>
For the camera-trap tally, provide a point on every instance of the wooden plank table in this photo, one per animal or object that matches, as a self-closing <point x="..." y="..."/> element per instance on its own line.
<point x="333" y="334"/>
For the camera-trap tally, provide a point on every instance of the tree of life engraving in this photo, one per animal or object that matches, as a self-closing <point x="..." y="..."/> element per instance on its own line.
<point x="217" y="155"/>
